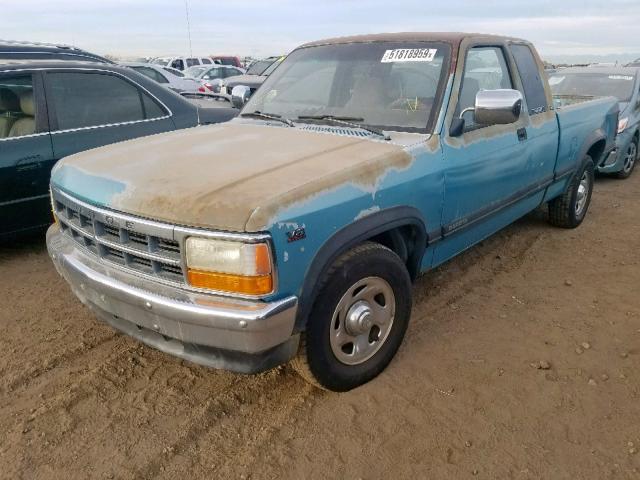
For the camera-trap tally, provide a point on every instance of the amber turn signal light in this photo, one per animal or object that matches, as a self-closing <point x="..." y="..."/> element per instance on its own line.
<point x="225" y="282"/>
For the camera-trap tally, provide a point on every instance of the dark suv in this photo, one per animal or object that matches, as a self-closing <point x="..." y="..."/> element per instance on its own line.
<point x="52" y="109"/>
<point x="10" y="50"/>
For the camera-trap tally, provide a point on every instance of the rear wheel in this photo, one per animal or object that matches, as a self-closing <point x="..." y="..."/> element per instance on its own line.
<point x="358" y="320"/>
<point x="630" y="157"/>
<point x="569" y="210"/>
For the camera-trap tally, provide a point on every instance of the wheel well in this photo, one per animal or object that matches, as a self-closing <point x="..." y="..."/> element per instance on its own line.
<point x="596" y="151"/>
<point x="401" y="229"/>
<point x="405" y="241"/>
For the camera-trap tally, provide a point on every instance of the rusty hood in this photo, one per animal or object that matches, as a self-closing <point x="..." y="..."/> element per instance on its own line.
<point x="235" y="176"/>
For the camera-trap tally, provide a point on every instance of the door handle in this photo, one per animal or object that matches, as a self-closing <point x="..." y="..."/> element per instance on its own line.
<point x="522" y="134"/>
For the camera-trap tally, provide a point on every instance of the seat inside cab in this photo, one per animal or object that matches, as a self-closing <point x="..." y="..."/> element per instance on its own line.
<point x="17" y="107"/>
<point x="26" y="124"/>
<point x="9" y="106"/>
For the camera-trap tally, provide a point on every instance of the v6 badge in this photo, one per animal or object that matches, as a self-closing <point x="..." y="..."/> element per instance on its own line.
<point x="297" y="234"/>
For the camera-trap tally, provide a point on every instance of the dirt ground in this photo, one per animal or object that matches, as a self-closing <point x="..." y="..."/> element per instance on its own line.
<point x="521" y="362"/>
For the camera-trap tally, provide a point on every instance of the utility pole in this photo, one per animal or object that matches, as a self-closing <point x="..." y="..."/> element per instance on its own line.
<point x="186" y="7"/>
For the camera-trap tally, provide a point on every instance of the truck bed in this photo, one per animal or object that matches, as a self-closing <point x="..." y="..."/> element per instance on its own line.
<point x="578" y="118"/>
<point x="560" y="101"/>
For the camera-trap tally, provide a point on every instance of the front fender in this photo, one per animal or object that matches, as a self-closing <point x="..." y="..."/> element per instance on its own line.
<point x="352" y="235"/>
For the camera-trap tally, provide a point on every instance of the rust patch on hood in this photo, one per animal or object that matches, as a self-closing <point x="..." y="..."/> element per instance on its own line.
<point x="234" y="176"/>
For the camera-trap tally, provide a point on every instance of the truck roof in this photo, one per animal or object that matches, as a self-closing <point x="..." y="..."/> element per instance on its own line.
<point x="19" y="64"/>
<point x="453" y="38"/>
<point x="34" y="50"/>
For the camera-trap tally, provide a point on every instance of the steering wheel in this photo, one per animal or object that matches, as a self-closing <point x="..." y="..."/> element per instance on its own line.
<point x="411" y="104"/>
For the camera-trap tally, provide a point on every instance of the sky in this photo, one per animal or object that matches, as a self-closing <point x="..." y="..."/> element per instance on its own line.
<point x="562" y="30"/>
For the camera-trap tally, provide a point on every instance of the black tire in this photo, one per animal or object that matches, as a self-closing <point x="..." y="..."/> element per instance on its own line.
<point x="316" y="361"/>
<point x="626" y="172"/>
<point x="562" y="210"/>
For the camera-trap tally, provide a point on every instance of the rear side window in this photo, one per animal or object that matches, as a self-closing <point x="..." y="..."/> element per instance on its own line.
<point x="206" y="61"/>
<point x="192" y="61"/>
<point x="215" y="73"/>
<point x="17" y="107"/>
<point x="94" y="99"/>
<point x="531" y="81"/>
<point x="152" y="74"/>
<point x="175" y="72"/>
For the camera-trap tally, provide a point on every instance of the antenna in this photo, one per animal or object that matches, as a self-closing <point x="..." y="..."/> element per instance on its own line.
<point x="186" y="7"/>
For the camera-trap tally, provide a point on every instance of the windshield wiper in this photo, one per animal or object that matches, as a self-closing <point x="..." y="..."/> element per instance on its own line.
<point x="347" y="122"/>
<point x="269" y="116"/>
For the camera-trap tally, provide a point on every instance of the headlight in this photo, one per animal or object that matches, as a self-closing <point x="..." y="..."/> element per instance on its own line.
<point x="623" y="124"/>
<point x="228" y="266"/>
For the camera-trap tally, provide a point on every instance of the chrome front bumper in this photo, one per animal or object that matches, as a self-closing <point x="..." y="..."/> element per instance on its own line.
<point x="219" y="332"/>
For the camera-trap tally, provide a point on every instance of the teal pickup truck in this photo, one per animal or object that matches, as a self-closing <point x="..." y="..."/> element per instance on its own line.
<point x="294" y="232"/>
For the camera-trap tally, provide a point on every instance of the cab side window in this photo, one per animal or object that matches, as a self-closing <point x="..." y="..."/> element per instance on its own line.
<point x="178" y="64"/>
<point x="17" y="107"/>
<point x="82" y="100"/>
<point x="530" y="76"/>
<point x="152" y="74"/>
<point x="485" y="69"/>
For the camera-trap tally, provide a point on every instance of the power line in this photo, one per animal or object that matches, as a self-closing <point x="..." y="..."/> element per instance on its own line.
<point x="186" y="7"/>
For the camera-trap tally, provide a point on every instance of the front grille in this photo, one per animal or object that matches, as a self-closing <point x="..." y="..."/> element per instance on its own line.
<point x="132" y="243"/>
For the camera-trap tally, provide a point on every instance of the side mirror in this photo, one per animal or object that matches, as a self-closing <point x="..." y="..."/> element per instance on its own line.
<point x="240" y="95"/>
<point x="497" y="107"/>
<point x="206" y="77"/>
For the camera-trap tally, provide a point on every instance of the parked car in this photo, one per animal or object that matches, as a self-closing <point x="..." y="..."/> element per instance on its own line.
<point x="295" y="231"/>
<point x="12" y="50"/>
<point x="227" y="60"/>
<point x="622" y="83"/>
<point x="635" y="63"/>
<point x="207" y="76"/>
<point x="165" y="77"/>
<point x="206" y="72"/>
<point x="52" y="109"/>
<point x="181" y="63"/>
<point x="255" y="76"/>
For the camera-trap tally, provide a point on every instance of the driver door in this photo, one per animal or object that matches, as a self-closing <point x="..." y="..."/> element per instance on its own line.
<point x="485" y="164"/>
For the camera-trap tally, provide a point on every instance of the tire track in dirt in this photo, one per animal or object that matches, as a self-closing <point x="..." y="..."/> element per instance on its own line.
<point x="25" y="378"/>
<point x="238" y="419"/>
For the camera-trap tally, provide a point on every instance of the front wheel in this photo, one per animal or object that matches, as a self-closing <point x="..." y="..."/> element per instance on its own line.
<point x="358" y="320"/>
<point x="630" y="157"/>
<point x="569" y="210"/>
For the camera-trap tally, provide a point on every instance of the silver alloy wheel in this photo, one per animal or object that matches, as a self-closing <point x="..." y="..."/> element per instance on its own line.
<point x="630" y="158"/>
<point x="583" y="193"/>
<point x="362" y="320"/>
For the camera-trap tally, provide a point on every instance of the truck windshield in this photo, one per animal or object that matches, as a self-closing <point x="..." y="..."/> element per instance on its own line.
<point x="389" y="85"/>
<point x="619" y="85"/>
